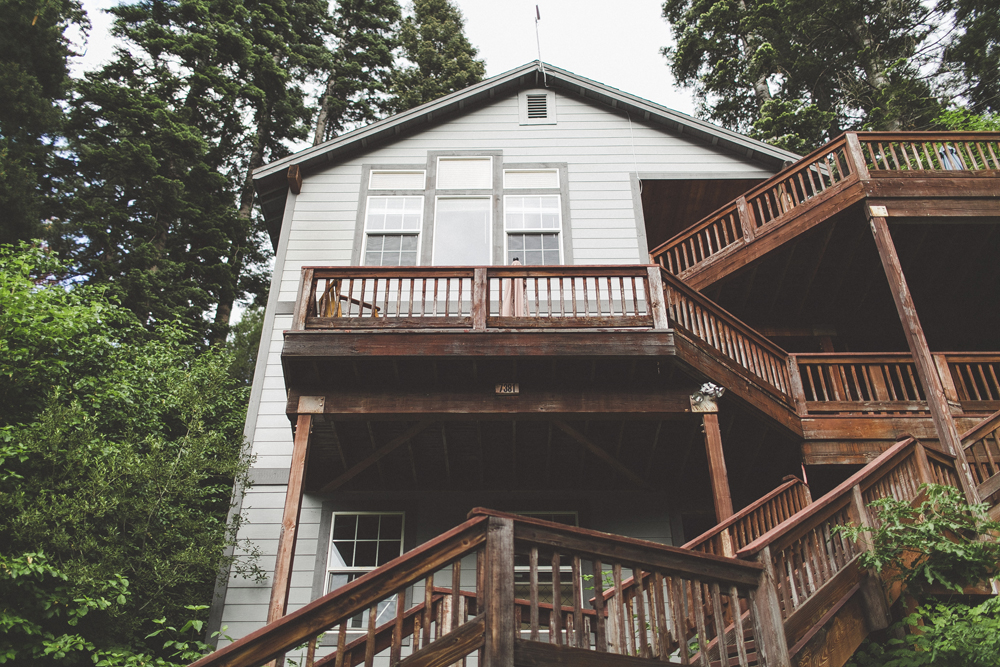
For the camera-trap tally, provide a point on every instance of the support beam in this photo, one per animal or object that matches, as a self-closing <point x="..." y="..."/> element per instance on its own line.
<point x="717" y="467"/>
<point x="281" y="583"/>
<point x="600" y="453"/>
<point x="375" y="456"/>
<point x="922" y="359"/>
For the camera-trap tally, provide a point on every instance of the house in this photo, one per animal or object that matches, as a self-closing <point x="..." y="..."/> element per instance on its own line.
<point x="588" y="312"/>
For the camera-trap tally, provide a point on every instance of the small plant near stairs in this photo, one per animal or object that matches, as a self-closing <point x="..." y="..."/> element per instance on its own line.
<point x="935" y="548"/>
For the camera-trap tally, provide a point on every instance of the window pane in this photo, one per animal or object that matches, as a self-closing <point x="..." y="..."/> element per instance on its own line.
<point x="393" y="179"/>
<point x="537" y="212"/>
<point x="368" y="527"/>
<point x="391" y="527"/>
<point x="344" y="526"/>
<point x="533" y="248"/>
<point x="365" y="554"/>
<point x="394" y="213"/>
<point x="387" y="551"/>
<point x="531" y="178"/>
<point x="462" y="232"/>
<point x="391" y="250"/>
<point x="343" y="554"/>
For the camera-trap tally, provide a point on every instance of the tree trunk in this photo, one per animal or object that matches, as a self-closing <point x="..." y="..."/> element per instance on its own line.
<point x="324" y="112"/>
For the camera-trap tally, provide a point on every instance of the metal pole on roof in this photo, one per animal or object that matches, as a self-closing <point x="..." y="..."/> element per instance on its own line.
<point x="538" y="41"/>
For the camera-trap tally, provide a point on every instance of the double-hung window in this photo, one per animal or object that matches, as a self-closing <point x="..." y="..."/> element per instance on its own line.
<point x="393" y="220"/>
<point x="533" y="221"/>
<point x="360" y="542"/>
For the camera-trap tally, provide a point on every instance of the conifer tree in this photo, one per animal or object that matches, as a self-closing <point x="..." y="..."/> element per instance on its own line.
<point x="34" y="50"/>
<point x="360" y="68"/>
<point x="443" y="60"/>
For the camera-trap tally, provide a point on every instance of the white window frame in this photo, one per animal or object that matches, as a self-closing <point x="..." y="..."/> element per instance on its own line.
<point x="393" y="232"/>
<point x="508" y="186"/>
<point x="359" y="570"/>
<point x="490" y="224"/>
<point x="558" y="231"/>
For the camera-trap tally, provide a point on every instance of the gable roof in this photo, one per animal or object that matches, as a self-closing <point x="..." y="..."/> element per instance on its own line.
<point x="271" y="180"/>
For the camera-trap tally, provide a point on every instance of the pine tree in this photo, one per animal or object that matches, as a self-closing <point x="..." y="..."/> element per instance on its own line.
<point x="443" y="60"/>
<point x="972" y="55"/>
<point x="34" y="51"/>
<point x="361" y="66"/>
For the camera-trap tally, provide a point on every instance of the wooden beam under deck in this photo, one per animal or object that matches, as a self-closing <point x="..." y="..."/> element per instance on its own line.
<point x="398" y="343"/>
<point x="652" y="404"/>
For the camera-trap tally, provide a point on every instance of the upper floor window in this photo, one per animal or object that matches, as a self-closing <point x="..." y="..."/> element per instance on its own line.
<point x="392" y="230"/>
<point x="465" y="173"/>
<point x="533" y="224"/>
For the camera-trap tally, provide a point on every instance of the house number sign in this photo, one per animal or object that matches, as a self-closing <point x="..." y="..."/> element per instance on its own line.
<point x="508" y="389"/>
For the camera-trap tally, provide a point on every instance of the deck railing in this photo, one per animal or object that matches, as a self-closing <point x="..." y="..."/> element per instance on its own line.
<point x="690" y="311"/>
<point x="754" y="520"/>
<point x="515" y="590"/>
<point x="819" y="176"/>
<point x="976" y="378"/>
<point x="501" y="297"/>
<point x="887" y="152"/>
<point x="982" y="452"/>
<point x="806" y="552"/>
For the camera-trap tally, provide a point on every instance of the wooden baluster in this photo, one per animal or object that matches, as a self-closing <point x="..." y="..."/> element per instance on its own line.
<point x="395" y="650"/>
<point x="679" y="615"/>
<point x="428" y="608"/>
<point x="659" y="604"/>
<point x="720" y="623"/>
<point x="698" y="606"/>
<point x="417" y="623"/>
<point x="578" y="604"/>
<point x="341" y="643"/>
<point x="640" y="607"/>
<point x="370" y="641"/>
<point x="620" y="608"/>
<point x="311" y="652"/>
<point x="741" y="642"/>
<point x="456" y="584"/>
<point x="600" y="642"/>
<point x="533" y="567"/>
<point x="556" y="599"/>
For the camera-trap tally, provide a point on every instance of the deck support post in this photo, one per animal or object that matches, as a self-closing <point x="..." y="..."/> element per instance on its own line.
<point x="499" y="553"/>
<point x="927" y="371"/>
<point x="281" y="583"/>
<point x="717" y="467"/>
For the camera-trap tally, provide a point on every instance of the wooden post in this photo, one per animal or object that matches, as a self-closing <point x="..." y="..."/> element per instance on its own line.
<point x="876" y="607"/>
<point x="307" y="294"/>
<point x="857" y="156"/>
<point x="657" y="304"/>
<point x="746" y="218"/>
<point x="499" y="648"/>
<point x="795" y="383"/>
<point x="768" y="624"/>
<point x="480" y="298"/>
<point x="717" y="467"/>
<point x="947" y="383"/>
<point x="290" y="521"/>
<point x="915" y="339"/>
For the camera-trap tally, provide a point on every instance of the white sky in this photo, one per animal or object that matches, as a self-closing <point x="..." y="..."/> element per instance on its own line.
<point x="615" y="43"/>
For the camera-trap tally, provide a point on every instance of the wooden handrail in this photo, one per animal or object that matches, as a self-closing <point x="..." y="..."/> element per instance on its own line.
<point x="337" y="606"/>
<point x="791" y="482"/>
<point x="983" y="457"/>
<point x="735" y="340"/>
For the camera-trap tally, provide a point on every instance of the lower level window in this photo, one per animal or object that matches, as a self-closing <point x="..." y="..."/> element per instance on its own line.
<point x="360" y="542"/>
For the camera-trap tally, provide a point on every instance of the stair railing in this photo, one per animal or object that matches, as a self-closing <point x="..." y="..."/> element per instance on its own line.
<point x="982" y="451"/>
<point x="754" y="520"/>
<point x="690" y="311"/>
<point x="812" y="561"/>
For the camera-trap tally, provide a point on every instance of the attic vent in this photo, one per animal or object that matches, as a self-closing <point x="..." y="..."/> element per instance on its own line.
<point x="538" y="106"/>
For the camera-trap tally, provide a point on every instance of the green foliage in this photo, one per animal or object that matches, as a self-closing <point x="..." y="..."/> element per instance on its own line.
<point x="244" y="344"/>
<point x="119" y="448"/>
<point x="934" y="542"/>
<point x="797" y="73"/>
<point x="963" y="120"/>
<point x="443" y="60"/>
<point x="950" y="635"/>
<point x="33" y="81"/>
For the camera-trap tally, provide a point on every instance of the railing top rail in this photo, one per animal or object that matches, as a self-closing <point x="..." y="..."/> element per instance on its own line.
<point x="743" y="513"/>
<point x="707" y="221"/>
<point x="679" y="285"/>
<point x="838" y="356"/>
<point x="820" y="509"/>
<point x="292" y="630"/>
<point x="570" y="270"/>
<point x="390" y="271"/>
<point x="928" y="136"/>
<point x="975" y="356"/>
<point x="630" y="550"/>
<point x="977" y="432"/>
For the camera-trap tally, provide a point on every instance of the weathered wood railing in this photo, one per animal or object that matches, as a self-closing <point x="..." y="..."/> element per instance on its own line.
<point x="757" y="518"/>
<point x="813" y="178"/>
<point x="820" y="176"/>
<point x="886" y="152"/>
<point x="860" y="383"/>
<point x="811" y="561"/>
<point x="976" y="378"/>
<point x="479" y="297"/>
<point x="982" y="452"/>
<point x="690" y="311"/>
<point x="691" y="606"/>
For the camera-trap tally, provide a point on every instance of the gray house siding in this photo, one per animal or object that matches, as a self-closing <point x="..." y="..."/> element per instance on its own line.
<point x="602" y="152"/>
